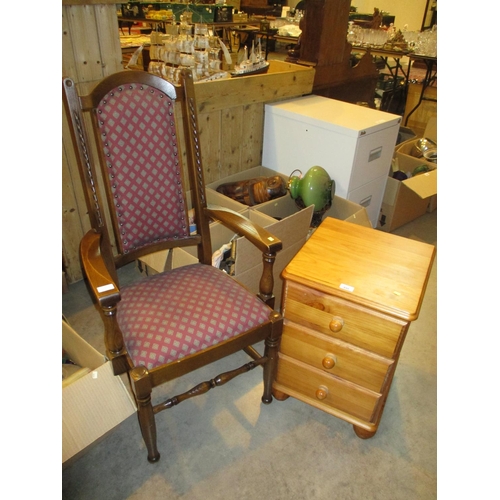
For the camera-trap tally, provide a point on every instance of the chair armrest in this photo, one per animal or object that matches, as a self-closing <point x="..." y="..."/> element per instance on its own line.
<point x="260" y="237"/>
<point x="100" y="279"/>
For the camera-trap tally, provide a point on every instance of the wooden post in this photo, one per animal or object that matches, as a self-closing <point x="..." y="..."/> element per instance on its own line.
<point x="324" y="46"/>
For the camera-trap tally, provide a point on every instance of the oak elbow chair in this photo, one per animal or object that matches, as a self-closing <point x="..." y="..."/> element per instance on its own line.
<point x="163" y="326"/>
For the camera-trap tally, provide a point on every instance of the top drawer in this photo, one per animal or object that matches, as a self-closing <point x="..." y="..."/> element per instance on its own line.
<point x="343" y="320"/>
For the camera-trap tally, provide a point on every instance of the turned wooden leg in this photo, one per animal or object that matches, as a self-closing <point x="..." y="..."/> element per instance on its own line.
<point x="142" y="388"/>
<point x="363" y="433"/>
<point x="272" y="344"/>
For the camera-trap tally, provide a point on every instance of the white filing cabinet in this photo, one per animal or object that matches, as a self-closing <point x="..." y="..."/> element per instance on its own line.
<point x="354" y="144"/>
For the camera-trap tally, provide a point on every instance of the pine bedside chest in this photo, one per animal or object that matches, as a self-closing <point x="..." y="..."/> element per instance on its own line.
<point x="349" y="297"/>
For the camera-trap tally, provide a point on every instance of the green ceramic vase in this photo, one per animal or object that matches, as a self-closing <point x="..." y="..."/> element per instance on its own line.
<point x="314" y="188"/>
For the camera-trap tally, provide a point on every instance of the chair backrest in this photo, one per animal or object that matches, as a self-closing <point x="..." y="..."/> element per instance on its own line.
<point x="143" y="129"/>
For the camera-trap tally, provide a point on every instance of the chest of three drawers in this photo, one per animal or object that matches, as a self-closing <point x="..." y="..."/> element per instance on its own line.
<point x="349" y="297"/>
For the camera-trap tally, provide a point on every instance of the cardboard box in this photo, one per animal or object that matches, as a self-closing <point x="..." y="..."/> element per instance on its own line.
<point x="285" y="207"/>
<point x="430" y="132"/>
<point x="220" y="235"/>
<point x="406" y="200"/>
<point x="250" y="173"/>
<point x="292" y="226"/>
<point x="403" y="154"/>
<point x="280" y="216"/>
<point x="294" y="232"/>
<point x="214" y="199"/>
<point x="248" y="261"/>
<point x="165" y="260"/>
<point x="404" y="149"/>
<point x="93" y="404"/>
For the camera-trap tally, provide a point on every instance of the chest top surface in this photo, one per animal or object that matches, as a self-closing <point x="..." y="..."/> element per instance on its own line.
<point x="379" y="270"/>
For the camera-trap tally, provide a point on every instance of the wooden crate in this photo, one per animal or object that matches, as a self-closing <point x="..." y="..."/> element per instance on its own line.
<point x="231" y="115"/>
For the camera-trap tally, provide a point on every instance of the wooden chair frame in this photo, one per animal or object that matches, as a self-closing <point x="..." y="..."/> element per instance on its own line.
<point x="101" y="253"/>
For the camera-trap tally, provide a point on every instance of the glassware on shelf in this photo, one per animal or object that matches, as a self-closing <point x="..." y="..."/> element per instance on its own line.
<point x="366" y="37"/>
<point x="422" y="43"/>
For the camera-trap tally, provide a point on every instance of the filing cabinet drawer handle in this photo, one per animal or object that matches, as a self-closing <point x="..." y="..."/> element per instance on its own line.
<point x="329" y="361"/>
<point x="322" y="392"/>
<point x="336" y="324"/>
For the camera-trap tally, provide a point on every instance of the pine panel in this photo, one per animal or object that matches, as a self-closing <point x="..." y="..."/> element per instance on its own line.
<point x="252" y="136"/>
<point x="210" y="140"/>
<point x="231" y="131"/>
<point x="87" y="57"/>
<point x="109" y="39"/>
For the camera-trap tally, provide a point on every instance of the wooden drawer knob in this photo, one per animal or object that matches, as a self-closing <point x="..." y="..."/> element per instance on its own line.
<point x="317" y="305"/>
<point x="336" y="324"/>
<point x="329" y="361"/>
<point x="322" y="392"/>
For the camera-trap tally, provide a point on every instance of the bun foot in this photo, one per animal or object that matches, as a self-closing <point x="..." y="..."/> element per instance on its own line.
<point x="280" y="396"/>
<point x="363" y="433"/>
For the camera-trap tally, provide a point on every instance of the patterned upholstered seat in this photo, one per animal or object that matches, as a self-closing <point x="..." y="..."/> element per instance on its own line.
<point x="162" y="326"/>
<point x="171" y="315"/>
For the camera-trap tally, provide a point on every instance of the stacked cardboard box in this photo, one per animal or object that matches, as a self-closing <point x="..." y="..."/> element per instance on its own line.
<point x="93" y="404"/>
<point x="406" y="200"/>
<point x="280" y="216"/>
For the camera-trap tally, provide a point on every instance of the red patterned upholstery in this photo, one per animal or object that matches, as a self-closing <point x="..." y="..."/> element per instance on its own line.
<point x="141" y="148"/>
<point x="173" y="314"/>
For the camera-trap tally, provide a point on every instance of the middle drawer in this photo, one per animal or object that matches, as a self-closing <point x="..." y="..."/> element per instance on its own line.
<point x="335" y="357"/>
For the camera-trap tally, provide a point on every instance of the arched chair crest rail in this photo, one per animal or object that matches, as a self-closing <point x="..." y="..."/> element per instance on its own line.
<point x="164" y="326"/>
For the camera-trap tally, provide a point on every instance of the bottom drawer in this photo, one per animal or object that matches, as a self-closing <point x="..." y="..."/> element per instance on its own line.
<point x="326" y="391"/>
